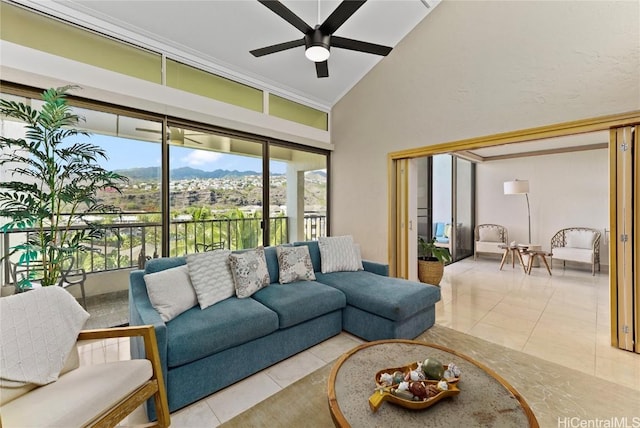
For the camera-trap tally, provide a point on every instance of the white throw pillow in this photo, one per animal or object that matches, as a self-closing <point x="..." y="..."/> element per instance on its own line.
<point x="489" y="234"/>
<point x="171" y="292"/>
<point x="211" y="276"/>
<point x="339" y="254"/>
<point x="580" y="239"/>
<point x="294" y="263"/>
<point x="250" y="272"/>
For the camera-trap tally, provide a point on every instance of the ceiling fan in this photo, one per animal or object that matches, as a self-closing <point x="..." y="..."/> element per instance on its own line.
<point x="319" y="40"/>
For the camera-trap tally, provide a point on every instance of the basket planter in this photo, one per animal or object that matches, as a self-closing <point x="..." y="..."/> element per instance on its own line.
<point x="430" y="272"/>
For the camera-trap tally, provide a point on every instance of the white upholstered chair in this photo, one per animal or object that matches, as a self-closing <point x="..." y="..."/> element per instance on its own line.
<point x="577" y="244"/>
<point x="488" y="238"/>
<point x="41" y="381"/>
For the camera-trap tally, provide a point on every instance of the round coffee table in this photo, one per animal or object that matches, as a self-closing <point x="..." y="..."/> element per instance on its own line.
<point x="485" y="398"/>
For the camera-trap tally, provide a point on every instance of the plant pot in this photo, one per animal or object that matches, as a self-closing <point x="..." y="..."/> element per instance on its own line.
<point x="430" y="272"/>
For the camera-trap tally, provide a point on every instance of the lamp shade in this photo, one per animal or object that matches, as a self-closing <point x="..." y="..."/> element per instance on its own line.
<point x="516" y="187"/>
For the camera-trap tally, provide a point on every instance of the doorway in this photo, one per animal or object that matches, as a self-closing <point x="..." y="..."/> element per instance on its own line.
<point x="619" y="283"/>
<point x="446" y="203"/>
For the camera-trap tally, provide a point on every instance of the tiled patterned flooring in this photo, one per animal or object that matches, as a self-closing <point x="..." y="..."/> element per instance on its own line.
<point x="562" y="318"/>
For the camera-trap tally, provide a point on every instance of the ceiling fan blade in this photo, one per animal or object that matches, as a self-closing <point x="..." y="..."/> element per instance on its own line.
<point x="340" y="15"/>
<point x="322" y="69"/>
<point x="277" y="48"/>
<point x="283" y="12"/>
<point x="357" y="45"/>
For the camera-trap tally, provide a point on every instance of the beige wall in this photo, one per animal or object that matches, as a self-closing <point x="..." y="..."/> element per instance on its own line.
<point x="474" y="68"/>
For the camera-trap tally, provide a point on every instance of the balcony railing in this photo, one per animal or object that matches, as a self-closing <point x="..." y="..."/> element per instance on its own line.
<point x="125" y="245"/>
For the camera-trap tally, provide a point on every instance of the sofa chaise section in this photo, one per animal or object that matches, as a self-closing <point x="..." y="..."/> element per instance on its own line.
<point x="378" y="306"/>
<point x="383" y="307"/>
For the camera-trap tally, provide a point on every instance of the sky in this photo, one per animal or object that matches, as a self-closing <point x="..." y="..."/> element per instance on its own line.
<point x="124" y="154"/>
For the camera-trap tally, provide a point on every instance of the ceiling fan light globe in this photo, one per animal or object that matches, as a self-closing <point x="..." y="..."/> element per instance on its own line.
<point x="317" y="53"/>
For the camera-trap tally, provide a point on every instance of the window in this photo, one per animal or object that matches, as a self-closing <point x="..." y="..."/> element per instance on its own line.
<point x="192" y="187"/>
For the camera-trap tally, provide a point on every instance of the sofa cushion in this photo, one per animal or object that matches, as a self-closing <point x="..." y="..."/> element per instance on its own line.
<point x="392" y="298"/>
<point x="211" y="276"/>
<point x="294" y="264"/>
<point x="249" y="270"/>
<point x="438" y="229"/>
<point x="338" y="253"/>
<point x="489" y="247"/>
<point x="300" y="301"/>
<point x="10" y="390"/>
<point x="170" y="291"/>
<point x="580" y="239"/>
<point x="199" y="333"/>
<point x="573" y="254"/>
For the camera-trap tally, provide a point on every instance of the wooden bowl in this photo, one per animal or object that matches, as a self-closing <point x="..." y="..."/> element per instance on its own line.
<point x="385" y="392"/>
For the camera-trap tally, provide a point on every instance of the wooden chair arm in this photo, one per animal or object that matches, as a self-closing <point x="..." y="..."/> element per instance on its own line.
<point x="148" y="334"/>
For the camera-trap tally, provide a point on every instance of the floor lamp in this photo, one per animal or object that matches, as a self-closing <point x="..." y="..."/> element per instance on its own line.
<point x="519" y="187"/>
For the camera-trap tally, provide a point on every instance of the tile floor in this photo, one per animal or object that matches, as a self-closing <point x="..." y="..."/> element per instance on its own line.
<point x="562" y="318"/>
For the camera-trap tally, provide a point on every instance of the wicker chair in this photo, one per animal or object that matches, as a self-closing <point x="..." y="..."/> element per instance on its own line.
<point x="488" y="237"/>
<point x="577" y="244"/>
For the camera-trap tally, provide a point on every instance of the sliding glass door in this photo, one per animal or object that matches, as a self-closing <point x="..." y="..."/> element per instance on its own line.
<point x="192" y="187"/>
<point x="297" y="195"/>
<point x="446" y="203"/>
<point x="215" y="191"/>
<point x="463" y="207"/>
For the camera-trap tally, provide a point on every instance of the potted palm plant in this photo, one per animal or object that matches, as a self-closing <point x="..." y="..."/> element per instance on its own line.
<point x="52" y="182"/>
<point x="431" y="260"/>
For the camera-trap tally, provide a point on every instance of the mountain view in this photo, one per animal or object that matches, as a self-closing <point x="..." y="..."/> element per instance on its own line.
<point x="184" y="173"/>
<point x="217" y="190"/>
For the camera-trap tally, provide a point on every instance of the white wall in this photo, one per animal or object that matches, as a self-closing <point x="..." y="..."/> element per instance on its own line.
<point x="566" y="190"/>
<point x="474" y="68"/>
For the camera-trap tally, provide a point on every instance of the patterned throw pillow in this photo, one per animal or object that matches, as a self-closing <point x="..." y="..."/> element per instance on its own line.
<point x="339" y="254"/>
<point x="294" y="264"/>
<point x="210" y="276"/>
<point x="249" y="271"/>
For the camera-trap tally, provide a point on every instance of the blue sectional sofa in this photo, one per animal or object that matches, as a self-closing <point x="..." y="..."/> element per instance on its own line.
<point x="203" y="351"/>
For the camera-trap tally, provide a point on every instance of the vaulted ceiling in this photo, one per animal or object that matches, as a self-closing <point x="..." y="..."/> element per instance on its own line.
<point x="217" y="35"/>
